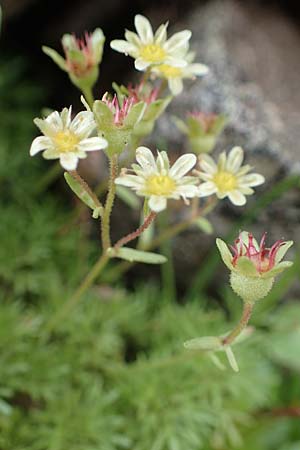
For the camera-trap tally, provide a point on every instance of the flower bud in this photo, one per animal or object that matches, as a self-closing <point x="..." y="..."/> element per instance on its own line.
<point x="253" y="267"/>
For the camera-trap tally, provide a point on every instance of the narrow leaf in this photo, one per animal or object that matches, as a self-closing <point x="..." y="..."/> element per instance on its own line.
<point x="132" y="255"/>
<point x="83" y="195"/>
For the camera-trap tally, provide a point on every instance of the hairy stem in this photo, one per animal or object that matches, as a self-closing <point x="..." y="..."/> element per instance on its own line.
<point x="247" y="311"/>
<point x="135" y="234"/>
<point x="105" y="225"/>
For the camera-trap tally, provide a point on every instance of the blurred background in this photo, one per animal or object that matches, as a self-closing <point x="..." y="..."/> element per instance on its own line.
<point x="114" y="375"/>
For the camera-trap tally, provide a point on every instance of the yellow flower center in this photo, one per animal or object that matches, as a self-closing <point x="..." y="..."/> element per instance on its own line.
<point x="225" y="181"/>
<point x="152" y="53"/>
<point x="160" y="185"/>
<point x="66" y="141"/>
<point x="169" y="71"/>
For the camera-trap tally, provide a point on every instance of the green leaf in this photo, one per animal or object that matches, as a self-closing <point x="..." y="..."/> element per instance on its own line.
<point x="56" y="57"/>
<point x="132" y="255"/>
<point x="204" y="225"/>
<point x="83" y="195"/>
<point x="206" y="343"/>
<point x="231" y="359"/>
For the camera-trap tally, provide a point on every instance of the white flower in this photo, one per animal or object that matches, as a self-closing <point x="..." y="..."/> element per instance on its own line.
<point x="158" y="181"/>
<point x="228" y="178"/>
<point x="65" y="138"/>
<point x="175" y="75"/>
<point x="150" y="49"/>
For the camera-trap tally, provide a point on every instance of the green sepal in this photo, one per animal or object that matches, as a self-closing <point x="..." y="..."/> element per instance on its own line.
<point x="280" y="267"/>
<point x="204" y="225"/>
<point x="203" y="144"/>
<point x="135" y="115"/>
<point x="103" y="115"/>
<point x="245" y="267"/>
<point x="56" y="57"/>
<point x="225" y="253"/>
<point x="132" y="255"/>
<point x="219" y="125"/>
<point x="181" y="125"/>
<point x="85" y="82"/>
<point x="83" y="195"/>
<point x="206" y="343"/>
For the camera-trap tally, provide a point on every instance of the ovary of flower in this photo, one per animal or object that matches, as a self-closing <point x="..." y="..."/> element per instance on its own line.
<point x="175" y="75"/>
<point x="228" y="178"/>
<point x="156" y="180"/>
<point x="150" y="49"/>
<point x="66" y="139"/>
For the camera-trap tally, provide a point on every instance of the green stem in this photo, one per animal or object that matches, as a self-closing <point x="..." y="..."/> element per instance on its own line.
<point x="105" y="224"/>
<point x="135" y="234"/>
<point x="88" y="95"/>
<point x="247" y="311"/>
<point x="73" y="301"/>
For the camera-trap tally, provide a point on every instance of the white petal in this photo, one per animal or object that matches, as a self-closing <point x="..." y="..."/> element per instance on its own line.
<point x="175" y="85"/>
<point x="205" y="176"/>
<point x="40" y="143"/>
<point x="83" y="124"/>
<point x="51" y="153"/>
<point x="157" y="203"/>
<point x="69" y="161"/>
<point x="246" y="190"/>
<point x="253" y="179"/>
<point x="206" y="189"/>
<point x="187" y="191"/>
<point x="133" y="38"/>
<point x="207" y="164"/>
<point x="235" y="159"/>
<point x="131" y="181"/>
<point x="196" y="69"/>
<point x="146" y="160"/>
<point x="123" y="47"/>
<point x="183" y="165"/>
<point x="92" y="144"/>
<point x="175" y="61"/>
<point x="237" y="198"/>
<point x="54" y="121"/>
<point x="141" y="64"/>
<point x="222" y="161"/>
<point x="162" y="162"/>
<point x="66" y="115"/>
<point x="178" y="40"/>
<point x="144" y="29"/>
<point x="161" y="34"/>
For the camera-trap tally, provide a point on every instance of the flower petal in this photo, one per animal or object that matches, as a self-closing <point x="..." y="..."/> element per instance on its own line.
<point x="161" y="34"/>
<point x="131" y="181"/>
<point x="144" y="29"/>
<point x="162" y="162"/>
<point x="175" y="85"/>
<point x="146" y="160"/>
<point x="40" y="143"/>
<point x="92" y="144"/>
<point x="157" y="203"/>
<point x="237" y="198"/>
<point x="133" y="38"/>
<point x="69" y="160"/>
<point x="178" y="40"/>
<point x="188" y="190"/>
<point x="83" y="124"/>
<point x="235" y="159"/>
<point x="54" y="121"/>
<point x="206" y="189"/>
<point x="253" y="179"/>
<point x="122" y="46"/>
<point x="196" y="69"/>
<point x="141" y="64"/>
<point x="207" y="164"/>
<point x="183" y="165"/>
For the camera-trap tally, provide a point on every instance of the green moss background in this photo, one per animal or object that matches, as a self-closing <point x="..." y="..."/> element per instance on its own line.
<point x="115" y="374"/>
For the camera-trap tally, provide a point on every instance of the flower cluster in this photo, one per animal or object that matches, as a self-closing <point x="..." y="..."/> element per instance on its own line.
<point x="166" y="58"/>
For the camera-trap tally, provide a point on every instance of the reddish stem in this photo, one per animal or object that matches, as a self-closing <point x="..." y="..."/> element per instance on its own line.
<point x="131" y="236"/>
